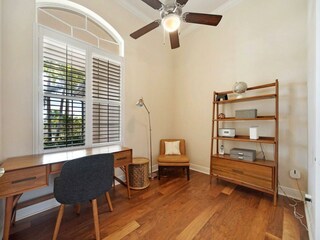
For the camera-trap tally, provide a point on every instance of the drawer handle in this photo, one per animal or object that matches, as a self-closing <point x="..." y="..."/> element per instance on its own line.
<point x="24" y="180"/>
<point x="237" y="171"/>
<point x="240" y="153"/>
<point x="122" y="158"/>
<point x="240" y="157"/>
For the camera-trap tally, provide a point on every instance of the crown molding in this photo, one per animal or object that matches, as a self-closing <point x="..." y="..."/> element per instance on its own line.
<point x="186" y="29"/>
<point x="220" y="10"/>
<point x="125" y="4"/>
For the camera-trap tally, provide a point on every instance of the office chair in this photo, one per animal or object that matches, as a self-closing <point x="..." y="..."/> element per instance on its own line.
<point x="81" y="180"/>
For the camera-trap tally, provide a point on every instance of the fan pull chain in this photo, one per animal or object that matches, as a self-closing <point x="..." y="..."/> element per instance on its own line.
<point x="164" y="37"/>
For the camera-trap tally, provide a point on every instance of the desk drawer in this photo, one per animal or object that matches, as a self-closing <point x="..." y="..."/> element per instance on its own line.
<point x="252" y="174"/>
<point x="122" y="158"/>
<point x="56" y="168"/>
<point x="22" y="180"/>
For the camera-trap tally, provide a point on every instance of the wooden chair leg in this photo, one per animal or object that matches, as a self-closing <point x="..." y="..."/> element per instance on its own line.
<point x="159" y="172"/>
<point x="96" y="218"/>
<point x="77" y="208"/>
<point x="109" y="201"/>
<point x="58" y="223"/>
<point x="188" y="173"/>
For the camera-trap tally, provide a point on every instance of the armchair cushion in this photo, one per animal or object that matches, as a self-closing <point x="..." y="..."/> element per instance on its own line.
<point x="173" y="159"/>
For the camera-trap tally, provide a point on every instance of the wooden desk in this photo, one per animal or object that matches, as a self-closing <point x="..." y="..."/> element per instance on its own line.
<point x="27" y="173"/>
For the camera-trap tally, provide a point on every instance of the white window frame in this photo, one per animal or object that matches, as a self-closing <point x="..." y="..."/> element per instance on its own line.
<point x="91" y="51"/>
<point x="72" y="6"/>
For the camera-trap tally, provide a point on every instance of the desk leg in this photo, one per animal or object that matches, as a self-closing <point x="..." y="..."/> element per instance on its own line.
<point x="7" y="218"/>
<point x="127" y="180"/>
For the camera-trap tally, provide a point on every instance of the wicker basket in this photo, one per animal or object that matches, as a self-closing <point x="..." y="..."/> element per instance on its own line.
<point x="139" y="173"/>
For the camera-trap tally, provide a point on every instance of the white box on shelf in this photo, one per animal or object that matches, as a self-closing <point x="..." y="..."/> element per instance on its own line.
<point x="254" y="133"/>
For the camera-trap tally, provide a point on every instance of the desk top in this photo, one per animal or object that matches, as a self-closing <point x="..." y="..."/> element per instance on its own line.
<point x="21" y="162"/>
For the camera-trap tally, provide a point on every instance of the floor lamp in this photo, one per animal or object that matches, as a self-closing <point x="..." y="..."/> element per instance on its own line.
<point x="141" y="103"/>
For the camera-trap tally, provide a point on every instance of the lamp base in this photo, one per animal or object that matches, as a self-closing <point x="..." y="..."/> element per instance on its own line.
<point x="153" y="176"/>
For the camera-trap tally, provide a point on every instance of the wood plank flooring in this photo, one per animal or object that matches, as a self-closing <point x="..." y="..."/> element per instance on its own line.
<point x="174" y="208"/>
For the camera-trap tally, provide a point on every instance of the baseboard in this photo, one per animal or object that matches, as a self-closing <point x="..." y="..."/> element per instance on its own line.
<point x="155" y="168"/>
<point x="291" y="192"/>
<point x="308" y="211"/>
<point x="199" y="168"/>
<point x="52" y="203"/>
<point x="36" y="208"/>
<point x="44" y="206"/>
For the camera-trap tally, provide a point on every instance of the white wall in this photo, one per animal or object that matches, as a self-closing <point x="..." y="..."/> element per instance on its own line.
<point x="0" y="80"/>
<point x="316" y="197"/>
<point x="256" y="42"/>
<point x="1" y="200"/>
<point x="17" y="95"/>
<point x="311" y="111"/>
<point x="313" y="208"/>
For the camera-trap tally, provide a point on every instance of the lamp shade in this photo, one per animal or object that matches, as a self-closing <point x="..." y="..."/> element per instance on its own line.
<point x="171" y="22"/>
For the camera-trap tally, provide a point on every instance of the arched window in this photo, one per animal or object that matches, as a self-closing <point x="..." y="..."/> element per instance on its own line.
<point x="80" y="65"/>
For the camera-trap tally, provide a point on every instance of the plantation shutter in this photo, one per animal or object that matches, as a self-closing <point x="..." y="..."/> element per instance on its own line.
<point x="106" y="101"/>
<point x="64" y="84"/>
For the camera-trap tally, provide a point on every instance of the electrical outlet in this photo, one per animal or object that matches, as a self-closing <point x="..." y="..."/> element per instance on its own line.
<point x="295" y="174"/>
<point x="307" y="198"/>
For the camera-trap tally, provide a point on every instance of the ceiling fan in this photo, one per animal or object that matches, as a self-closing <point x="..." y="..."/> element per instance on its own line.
<point x="171" y="16"/>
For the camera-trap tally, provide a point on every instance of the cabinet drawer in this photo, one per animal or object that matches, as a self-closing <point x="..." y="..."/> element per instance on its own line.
<point x="22" y="180"/>
<point x="252" y="174"/>
<point x="122" y="158"/>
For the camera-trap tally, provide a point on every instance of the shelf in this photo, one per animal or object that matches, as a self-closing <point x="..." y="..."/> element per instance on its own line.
<point x="240" y="138"/>
<point x="247" y="99"/>
<point x="252" y="88"/>
<point x="268" y="163"/>
<point x="259" y="118"/>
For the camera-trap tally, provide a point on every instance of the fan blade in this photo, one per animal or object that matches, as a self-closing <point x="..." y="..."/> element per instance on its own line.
<point x="202" y="18"/>
<point x="174" y="39"/>
<point x="182" y="2"/>
<point x="145" y="29"/>
<point x="155" y="4"/>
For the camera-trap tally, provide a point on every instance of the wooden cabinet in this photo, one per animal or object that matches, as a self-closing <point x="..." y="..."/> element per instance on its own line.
<point x="261" y="174"/>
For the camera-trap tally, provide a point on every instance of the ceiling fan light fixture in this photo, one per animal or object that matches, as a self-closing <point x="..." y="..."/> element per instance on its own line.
<point x="171" y="22"/>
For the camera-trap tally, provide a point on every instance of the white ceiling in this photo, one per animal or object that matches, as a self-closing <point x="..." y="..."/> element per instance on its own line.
<point x="148" y="14"/>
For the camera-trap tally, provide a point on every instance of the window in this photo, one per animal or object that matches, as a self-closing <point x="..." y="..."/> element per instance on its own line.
<point x="81" y="94"/>
<point x="64" y="82"/>
<point x="106" y="101"/>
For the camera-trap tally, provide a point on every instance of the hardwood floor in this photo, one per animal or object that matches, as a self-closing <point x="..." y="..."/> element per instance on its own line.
<point x="174" y="208"/>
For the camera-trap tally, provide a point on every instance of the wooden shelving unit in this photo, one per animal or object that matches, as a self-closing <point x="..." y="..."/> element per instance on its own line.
<point x="261" y="174"/>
